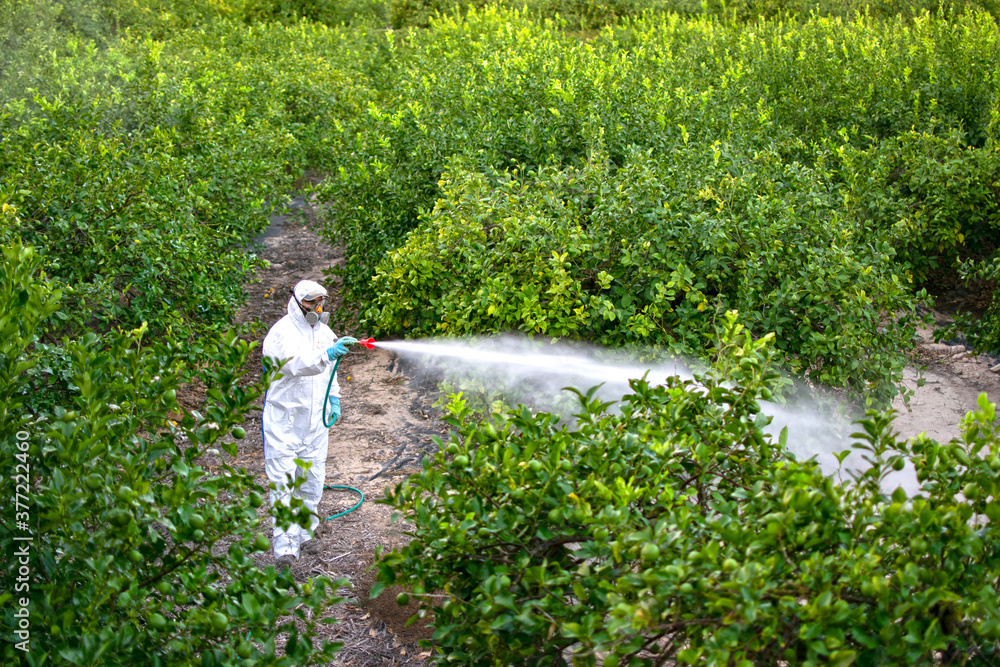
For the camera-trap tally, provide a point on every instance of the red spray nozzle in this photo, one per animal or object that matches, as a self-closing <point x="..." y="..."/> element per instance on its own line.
<point x="368" y="342"/>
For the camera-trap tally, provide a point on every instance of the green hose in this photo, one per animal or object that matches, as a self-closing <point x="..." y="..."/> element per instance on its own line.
<point x="328" y="424"/>
<point x="356" y="505"/>
<point x="329" y="386"/>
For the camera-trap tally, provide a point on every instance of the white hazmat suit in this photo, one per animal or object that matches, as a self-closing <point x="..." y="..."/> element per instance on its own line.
<point x="293" y="413"/>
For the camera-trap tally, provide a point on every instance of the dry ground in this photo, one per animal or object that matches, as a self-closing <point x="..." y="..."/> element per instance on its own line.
<point x="953" y="380"/>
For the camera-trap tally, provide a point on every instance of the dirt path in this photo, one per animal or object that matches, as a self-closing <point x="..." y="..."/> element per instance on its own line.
<point x="387" y="425"/>
<point x="953" y="381"/>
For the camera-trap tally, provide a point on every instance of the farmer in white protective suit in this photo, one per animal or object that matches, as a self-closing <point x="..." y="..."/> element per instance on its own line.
<point x="293" y="410"/>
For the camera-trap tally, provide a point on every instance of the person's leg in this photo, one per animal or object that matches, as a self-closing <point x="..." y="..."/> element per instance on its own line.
<point x="285" y="541"/>
<point x="311" y="490"/>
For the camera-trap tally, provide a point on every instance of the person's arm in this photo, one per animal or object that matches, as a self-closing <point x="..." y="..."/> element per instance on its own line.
<point x="313" y="363"/>
<point x="283" y="353"/>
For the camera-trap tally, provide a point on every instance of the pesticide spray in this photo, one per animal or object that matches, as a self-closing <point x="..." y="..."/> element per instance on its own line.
<point x="536" y="374"/>
<point x="523" y="371"/>
<point x="533" y="373"/>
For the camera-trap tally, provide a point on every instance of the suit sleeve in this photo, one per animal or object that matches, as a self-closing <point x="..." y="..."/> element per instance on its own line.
<point x="313" y="362"/>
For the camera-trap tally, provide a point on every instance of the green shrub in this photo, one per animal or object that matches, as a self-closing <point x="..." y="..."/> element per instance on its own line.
<point x="140" y="170"/>
<point x="676" y="531"/>
<point x="981" y="331"/>
<point x="374" y="13"/>
<point x="420" y="13"/>
<point x="757" y="10"/>
<point x="581" y="15"/>
<point x="571" y="14"/>
<point x="633" y="257"/>
<point x="120" y="223"/>
<point x="938" y="197"/>
<point x="401" y="143"/>
<point x="141" y="544"/>
<point x="875" y="79"/>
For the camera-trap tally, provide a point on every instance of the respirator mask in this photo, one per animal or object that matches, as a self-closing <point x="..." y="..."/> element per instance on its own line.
<point x="313" y="312"/>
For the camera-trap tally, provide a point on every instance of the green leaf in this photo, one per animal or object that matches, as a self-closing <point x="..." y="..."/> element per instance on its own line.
<point x="989" y="410"/>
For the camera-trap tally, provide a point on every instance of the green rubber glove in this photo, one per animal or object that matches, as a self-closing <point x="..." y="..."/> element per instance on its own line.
<point x="334" y="409"/>
<point x="340" y="349"/>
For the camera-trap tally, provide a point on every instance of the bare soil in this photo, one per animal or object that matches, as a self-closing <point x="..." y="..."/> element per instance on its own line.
<point x="388" y="424"/>
<point x="953" y="380"/>
<point x="386" y="427"/>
